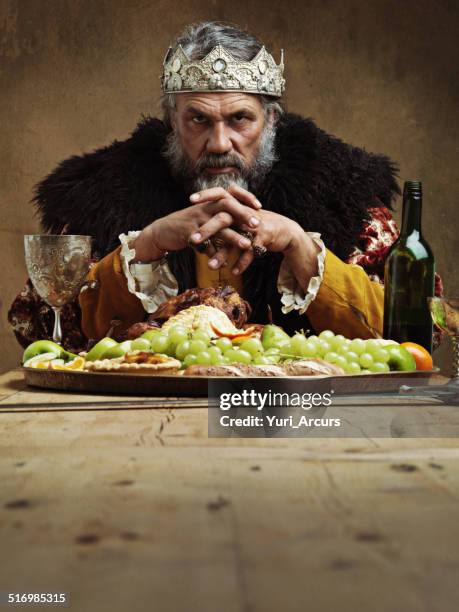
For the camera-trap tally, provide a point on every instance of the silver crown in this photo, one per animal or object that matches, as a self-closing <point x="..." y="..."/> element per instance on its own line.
<point x="220" y="71"/>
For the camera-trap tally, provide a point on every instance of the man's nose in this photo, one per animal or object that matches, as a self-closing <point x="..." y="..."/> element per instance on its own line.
<point x="219" y="141"/>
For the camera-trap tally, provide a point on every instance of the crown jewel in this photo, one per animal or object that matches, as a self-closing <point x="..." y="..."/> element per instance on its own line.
<point x="220" y="71"/>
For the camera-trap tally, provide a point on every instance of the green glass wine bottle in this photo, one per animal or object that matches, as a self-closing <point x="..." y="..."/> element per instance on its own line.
<point x="409" y="277"/>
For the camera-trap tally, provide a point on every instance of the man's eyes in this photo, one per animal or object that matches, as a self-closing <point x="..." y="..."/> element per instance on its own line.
<point x="199" y="119"/>
<point x="237" y="119"/>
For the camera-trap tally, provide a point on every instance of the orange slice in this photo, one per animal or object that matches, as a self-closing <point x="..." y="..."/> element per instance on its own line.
<point x="75" y="364"/>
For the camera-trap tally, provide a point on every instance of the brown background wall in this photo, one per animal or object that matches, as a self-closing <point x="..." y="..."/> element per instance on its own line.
<point x="75" y="74"/>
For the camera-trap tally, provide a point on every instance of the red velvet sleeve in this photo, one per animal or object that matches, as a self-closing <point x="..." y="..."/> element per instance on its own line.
<point x="378" y="235"/>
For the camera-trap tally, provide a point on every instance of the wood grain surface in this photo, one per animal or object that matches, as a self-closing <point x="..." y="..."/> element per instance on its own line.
<point x="136" y="509"/>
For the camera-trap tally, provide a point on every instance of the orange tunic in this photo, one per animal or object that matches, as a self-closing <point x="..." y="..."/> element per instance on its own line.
<point x="348" y="302"/>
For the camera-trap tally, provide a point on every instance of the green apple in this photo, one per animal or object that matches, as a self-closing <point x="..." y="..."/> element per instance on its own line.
<point x="99" y="348"/>
<point x="385" y="343"/>
<point x="400" y="359"/>
<point x="117" y="351"/>
<point x="42" y="357"/>
<point x="42" y="346"/>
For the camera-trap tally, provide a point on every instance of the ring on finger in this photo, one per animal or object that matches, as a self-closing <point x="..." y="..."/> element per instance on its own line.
<point x="259" y="251"/>
<point x="201" y="247"/>
<point x="218" y="243"/>
<point x="247" y="235"/>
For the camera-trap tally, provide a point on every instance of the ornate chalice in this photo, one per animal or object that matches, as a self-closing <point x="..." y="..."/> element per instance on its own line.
<point x="57" y="267"/>
<point x="445" y="313"/>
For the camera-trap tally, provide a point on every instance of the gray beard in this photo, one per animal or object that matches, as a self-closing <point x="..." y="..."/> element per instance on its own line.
<point x="193" y="177"/>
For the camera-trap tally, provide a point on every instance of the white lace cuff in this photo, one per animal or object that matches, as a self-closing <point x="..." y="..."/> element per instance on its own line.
<point x="293" y="297"/>
<point x="153" y="283"/>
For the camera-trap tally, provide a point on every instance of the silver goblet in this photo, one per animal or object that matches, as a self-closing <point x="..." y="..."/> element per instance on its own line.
<point x="57" y="267"/>
<point x="445" y="313"/>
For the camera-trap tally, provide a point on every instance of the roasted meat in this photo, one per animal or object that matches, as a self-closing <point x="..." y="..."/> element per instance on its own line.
<point x="226" y="299"/>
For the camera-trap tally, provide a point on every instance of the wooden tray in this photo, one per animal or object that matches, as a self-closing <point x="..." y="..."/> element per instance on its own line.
<point x="196" y="386"/>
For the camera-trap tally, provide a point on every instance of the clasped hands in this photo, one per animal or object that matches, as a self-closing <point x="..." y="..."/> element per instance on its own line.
<point x="218" y="215"/>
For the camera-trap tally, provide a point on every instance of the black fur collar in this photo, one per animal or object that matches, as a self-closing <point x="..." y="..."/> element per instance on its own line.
<point x="319" y="181"/>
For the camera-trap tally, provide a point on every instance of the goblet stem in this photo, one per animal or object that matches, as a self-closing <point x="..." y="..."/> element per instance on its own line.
<point x="57" y="331"/>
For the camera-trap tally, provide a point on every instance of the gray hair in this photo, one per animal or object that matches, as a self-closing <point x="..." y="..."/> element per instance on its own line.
<point x="197" y="40"/>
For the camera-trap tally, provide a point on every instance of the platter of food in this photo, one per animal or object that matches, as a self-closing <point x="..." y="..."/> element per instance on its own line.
<point x="180" y="385"/>
<point x="182" y="349"/>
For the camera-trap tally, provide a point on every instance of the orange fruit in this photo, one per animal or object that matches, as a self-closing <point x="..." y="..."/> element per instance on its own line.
<point x="421" y="355"/>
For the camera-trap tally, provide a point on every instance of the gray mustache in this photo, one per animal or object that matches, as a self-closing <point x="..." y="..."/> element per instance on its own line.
<point x="219" y="161"/>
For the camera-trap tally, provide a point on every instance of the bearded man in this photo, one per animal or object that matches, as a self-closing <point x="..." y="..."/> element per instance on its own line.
<point x="227" y="189"/>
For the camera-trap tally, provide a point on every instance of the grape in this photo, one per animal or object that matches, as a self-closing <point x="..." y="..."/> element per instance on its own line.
<point x="343" y="350"/>
<point x="327" y="334"/>
<point x="140" y="344"/>
<point x="182" y="349"/>
<point x="337" y="342"/>
<point x="203" y="357"/>
<point x="365" y="372"/>
<point x="379" y="354"/>
<point x="252" y="346"/>
<point x="323" y="347"/>
<point x="238" y="356"/>
<point x="353" y="368"/>
<point x="287" y="349"/>
<point x="200" y="334"/>
<point x="365" y="360"/>
<point x="160" y="343"/>
<point x="229" y="354"/>
<point x="224" y="344"/>
<point x="178" y="334"/>
<point x="313" y="337"/>
<point x="273" y="355"/>
<point x="331" y="357"/>
<point x="341" y="362"/>
<point x="215" y="355"/>
<point x="272" y="351"/>
<point x="150" y="333"/>
<point x="298" y="343"/>
<point x="189" y="360"/>
<point x="357" y="346"/>
<point x="310" y="349"/>
<point x="372" y="344"/>
<point x="378" y="366"/>
<point x="244" y="356"/>
<point x="224" y="360"/>
<point x="351" y="356"/>
<point x="274" y="336"/>
<point x="263" y="360"/>
<point x="196" y="346"/>
<point x="170" y="350"/>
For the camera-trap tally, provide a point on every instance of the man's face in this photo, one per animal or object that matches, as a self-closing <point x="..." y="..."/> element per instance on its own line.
<point x="218" y="138"/>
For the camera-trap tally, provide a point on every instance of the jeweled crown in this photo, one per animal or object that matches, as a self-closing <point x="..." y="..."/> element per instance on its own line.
<point x="220" y="71"/>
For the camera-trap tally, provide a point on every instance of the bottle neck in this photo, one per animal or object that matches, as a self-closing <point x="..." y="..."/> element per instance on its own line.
<point x="412" y="211"/>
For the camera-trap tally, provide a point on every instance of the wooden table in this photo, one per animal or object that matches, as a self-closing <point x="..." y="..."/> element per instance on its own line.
<point x="136" y="509"/>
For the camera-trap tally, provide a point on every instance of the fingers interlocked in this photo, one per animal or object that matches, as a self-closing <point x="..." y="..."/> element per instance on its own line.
<point x="231" y="223"/>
